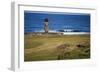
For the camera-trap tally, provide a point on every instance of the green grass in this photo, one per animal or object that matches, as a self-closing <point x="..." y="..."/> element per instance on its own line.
<point x="45" y="47"/>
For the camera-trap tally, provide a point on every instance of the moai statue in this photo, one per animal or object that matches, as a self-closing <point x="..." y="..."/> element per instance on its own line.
<point x="46" y="25"/>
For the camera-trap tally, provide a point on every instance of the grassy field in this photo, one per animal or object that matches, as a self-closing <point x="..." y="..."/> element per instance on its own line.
<point x="56" y="47"/>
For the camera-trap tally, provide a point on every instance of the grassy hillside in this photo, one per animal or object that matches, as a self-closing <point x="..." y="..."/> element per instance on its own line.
<point x="56" y="47"/>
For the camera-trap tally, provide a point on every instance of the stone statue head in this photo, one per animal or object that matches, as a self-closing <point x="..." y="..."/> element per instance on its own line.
<point x="46" y="19"/>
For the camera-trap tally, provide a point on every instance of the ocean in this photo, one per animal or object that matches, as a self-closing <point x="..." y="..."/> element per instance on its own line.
<point x="73" y="22"/>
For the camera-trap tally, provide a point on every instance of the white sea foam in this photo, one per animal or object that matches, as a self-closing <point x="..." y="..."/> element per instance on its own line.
<point x="75" y="33"/>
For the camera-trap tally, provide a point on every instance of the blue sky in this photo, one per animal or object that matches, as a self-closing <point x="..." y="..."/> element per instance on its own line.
<point x="34" y="21"/>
